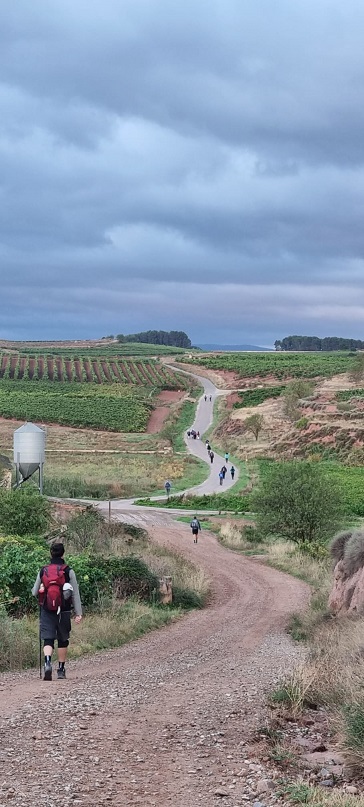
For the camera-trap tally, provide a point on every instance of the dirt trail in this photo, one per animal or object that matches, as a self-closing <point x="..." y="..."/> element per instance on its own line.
<point x="163" y="720"/>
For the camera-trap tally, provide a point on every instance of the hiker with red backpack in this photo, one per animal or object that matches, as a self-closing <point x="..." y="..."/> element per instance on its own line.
<point x="57" y="590"/>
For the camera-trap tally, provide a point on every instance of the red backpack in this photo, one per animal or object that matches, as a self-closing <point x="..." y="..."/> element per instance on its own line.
<point x="53" y="578"/>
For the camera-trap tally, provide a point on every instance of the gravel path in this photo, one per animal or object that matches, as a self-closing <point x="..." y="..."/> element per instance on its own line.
<point x="167" y="719"/>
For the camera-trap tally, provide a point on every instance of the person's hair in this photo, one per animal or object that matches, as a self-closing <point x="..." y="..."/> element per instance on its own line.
<point x="57" y="549"/>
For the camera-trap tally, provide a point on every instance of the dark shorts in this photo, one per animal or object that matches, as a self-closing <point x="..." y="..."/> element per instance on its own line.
<point x="194" y="530"/>
<point x="55" y="626"/>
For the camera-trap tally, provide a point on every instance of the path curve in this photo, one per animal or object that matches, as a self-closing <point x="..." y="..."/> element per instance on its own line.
<point x="203" y="420"/>
<point x="167" y="719"/>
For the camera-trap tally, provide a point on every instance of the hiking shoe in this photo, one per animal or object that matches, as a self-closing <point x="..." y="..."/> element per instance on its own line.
<point x="47" y="671"/>
<point x="61" y="673"/>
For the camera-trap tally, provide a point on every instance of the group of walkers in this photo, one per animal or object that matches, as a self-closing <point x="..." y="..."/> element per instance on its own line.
<point x="210" y="398"/>
<point x="192" y="433"/>
<point x="224" y="470"/>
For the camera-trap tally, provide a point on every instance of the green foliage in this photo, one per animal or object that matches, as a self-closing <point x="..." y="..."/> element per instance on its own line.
<point x="279" y="365"/>
<point x="349" y="394"/>
<point x="327" y="343"/>
<point x="254" y="397"/>
<point x="350" y="480"/>
<point x="113" y="576"/>
<point x="297" y="501"/>
<point x="110" y="407"/>
<point x="186" y="598"/>
<point x="20" y="561"/>
<point x="302" y="423"/>
<point x="98" y="576"/>
<point x="215" y="501"/>
<point x="23" y="511"/>
<point x="170" y="338"/>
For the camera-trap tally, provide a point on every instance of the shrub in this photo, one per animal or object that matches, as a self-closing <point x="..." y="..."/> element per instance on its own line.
<point x="302" y="423"/>
<point x="297" y="502"/>
<point x="186" y="598"/>
<point x="21" y="560"/>
<point x="23" y="512"/>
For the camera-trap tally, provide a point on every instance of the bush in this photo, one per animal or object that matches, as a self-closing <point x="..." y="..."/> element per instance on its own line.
<point x="23" y="512"/>
<point x="186" y="598"/>
<point x="215" y="501"/>
<point x="302" y="423"/>
<point x="21" y="559"/>
<point x="297" y="502"/>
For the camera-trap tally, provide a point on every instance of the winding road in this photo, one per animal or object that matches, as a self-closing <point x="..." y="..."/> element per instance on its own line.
<point x="166" y="720"/>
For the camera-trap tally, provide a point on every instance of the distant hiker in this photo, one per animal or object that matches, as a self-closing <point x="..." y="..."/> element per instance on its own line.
<point x="167" y="486"/>
<point x="198" y="435"/>
<point x="221" y="477"/>
<point x="224" y="471"/>
<point x="206" y="443"/>
<point x="57" y="590"/>
<point x="227" y="455"/>
<point x="232" y="471"/>
<point x="195" y="527"/>
<point x="205" y="397"/>
<point x="188" y="434"/>
<point x="212" y="456"/>
<point x="208" y="447"/>
<point x="210" y="398"/>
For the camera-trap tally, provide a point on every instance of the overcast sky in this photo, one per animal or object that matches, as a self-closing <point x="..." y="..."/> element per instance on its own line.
<point x="196" y="166"/>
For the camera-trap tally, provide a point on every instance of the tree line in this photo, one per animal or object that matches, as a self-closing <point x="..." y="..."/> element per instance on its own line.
<point x="169" y="338"/>
<point x="315" y="343"/>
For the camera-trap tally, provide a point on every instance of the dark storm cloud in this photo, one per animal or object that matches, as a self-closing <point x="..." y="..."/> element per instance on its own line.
<point x="149" y="149"/>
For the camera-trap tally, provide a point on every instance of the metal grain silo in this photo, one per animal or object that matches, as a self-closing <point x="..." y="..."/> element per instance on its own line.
<point x="29" y="450"/>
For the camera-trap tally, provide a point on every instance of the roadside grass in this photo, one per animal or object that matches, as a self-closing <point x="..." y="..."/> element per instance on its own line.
<point x="301" y="793"/>
<point x="115" y="624"/>
<point x="332" y="673"/>
<point x="119" y="475"/>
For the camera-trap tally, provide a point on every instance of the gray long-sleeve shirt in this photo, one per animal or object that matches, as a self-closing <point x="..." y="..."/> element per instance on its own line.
<point x="76" y="599"/>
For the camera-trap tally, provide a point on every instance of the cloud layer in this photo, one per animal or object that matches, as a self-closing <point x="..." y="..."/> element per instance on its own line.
<point x="197" y="166"/>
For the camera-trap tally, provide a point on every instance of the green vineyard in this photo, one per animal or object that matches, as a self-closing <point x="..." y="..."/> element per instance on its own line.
<point x="110" y="407"/>
<point x="278" y="365"/>
<point x="80" y="369"/>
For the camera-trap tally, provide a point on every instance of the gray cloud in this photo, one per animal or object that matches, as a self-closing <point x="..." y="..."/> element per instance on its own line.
<point x="159" y="160"/>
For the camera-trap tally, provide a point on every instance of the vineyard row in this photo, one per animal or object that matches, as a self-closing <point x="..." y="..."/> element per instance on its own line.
<point x="101" y="370"/>
<point x="277" y="365"/>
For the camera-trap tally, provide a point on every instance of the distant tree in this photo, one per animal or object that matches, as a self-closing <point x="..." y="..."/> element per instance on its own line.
<point x="168" y="338"/>
<point x="254" y="424"/>
<point x="298" y="502"/>
<point x="357" y="369"/>
<point x="328" y="343"/>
